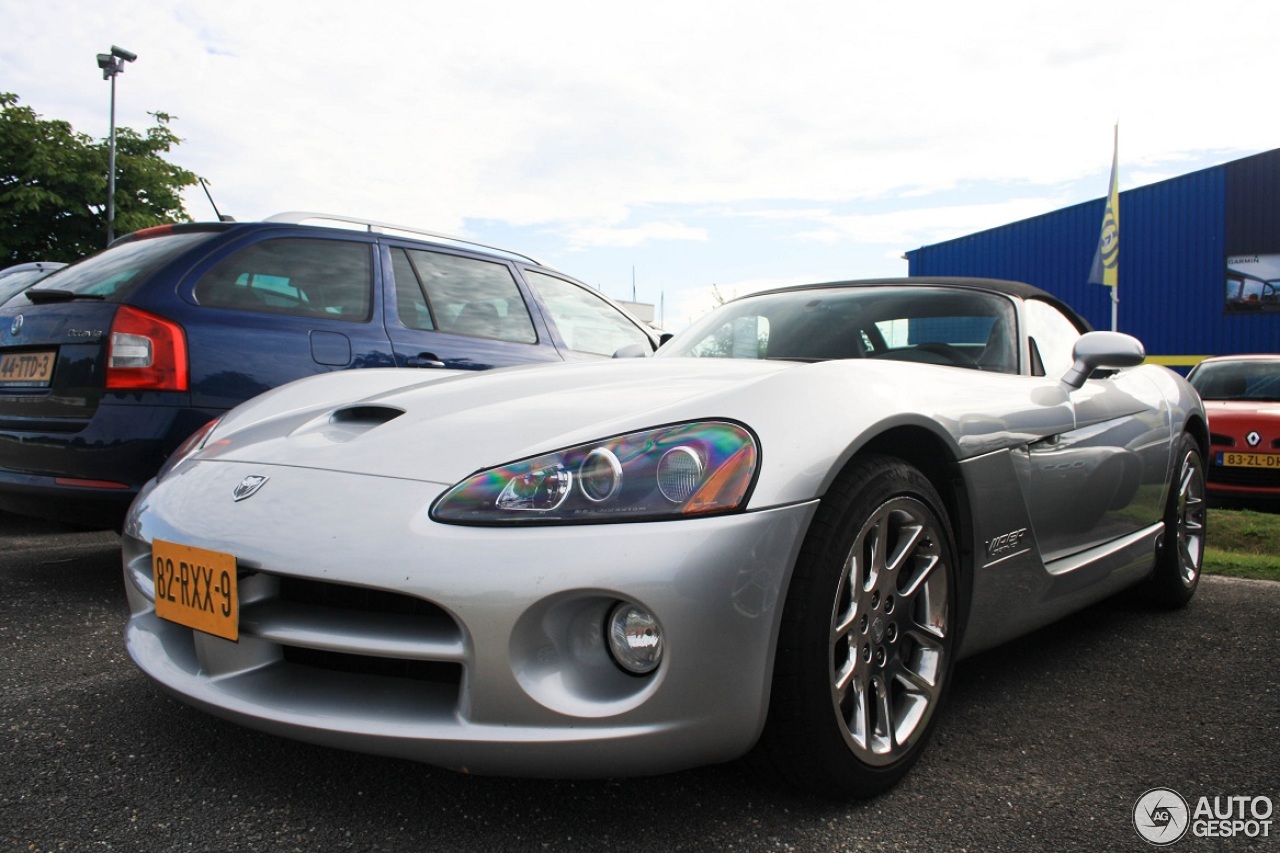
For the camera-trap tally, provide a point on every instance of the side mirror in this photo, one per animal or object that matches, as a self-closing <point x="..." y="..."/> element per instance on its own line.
<point x="1102" y="350"/>
<point x="632" y="351"/>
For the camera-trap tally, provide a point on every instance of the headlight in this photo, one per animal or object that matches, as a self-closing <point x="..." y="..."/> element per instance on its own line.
<point x="669" y="472"/>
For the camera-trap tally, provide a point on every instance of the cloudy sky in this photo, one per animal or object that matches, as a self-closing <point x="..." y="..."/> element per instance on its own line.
<point x="664" y="146"/>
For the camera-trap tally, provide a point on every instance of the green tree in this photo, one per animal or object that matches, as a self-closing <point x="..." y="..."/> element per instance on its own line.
<point x="53" y="185"/>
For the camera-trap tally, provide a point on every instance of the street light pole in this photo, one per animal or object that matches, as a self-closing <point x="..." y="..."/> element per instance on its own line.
<point x="112" y="64"/>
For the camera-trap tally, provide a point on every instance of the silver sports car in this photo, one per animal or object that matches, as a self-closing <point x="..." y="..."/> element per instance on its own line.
<point x="777" y="535"/>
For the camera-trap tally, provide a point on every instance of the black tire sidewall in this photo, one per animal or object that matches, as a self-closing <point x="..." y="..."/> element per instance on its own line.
<point x="804" y="734"/>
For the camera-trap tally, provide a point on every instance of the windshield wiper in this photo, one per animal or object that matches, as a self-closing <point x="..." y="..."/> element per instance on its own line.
<point x="42" y="295"/>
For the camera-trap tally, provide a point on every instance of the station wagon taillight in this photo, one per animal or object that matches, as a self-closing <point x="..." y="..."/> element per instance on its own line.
<point x="146" y="353"/>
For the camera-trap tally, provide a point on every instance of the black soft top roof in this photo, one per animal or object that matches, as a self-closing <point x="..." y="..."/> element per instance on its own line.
<point x="1017" y="289"/>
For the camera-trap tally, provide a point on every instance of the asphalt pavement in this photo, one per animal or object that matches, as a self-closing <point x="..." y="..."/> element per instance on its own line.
<point x="1047" y="743"/>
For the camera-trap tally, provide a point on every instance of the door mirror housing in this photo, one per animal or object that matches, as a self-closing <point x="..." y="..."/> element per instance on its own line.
<point x="1096" y="350"/>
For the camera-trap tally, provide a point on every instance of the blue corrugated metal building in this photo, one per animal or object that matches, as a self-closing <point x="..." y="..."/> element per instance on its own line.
<point x="1199" y="262"/>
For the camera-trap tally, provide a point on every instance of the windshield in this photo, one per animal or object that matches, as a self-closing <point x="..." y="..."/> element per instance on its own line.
<point x="112" y="273"/>
<point x="1238" y="380"/>
<point x="935" y="325"/>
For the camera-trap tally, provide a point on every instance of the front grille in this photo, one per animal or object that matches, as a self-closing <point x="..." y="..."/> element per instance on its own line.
<point x="355" y="598"/>
<point x="355" y="632"/>
<point x="434" y="672"/>
<point x="1233" y="476"/>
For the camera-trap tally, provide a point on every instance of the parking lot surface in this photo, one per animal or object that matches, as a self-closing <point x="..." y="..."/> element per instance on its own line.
<point x="1046" y="744"/>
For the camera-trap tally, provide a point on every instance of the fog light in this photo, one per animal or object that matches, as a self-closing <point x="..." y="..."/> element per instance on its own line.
<point x="634" y="639"/>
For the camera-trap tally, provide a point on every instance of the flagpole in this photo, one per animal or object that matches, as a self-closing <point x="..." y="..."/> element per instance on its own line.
<point x="1115" y="288"/>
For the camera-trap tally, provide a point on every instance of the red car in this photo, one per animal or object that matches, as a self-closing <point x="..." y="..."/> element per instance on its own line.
<point x="1241" y="395"/>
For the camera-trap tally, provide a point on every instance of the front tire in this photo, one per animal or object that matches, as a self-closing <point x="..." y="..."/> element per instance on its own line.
<point x="866" y="644"/>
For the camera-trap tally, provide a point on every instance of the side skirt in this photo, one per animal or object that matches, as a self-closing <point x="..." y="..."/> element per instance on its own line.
<point x="1020" y="596"/>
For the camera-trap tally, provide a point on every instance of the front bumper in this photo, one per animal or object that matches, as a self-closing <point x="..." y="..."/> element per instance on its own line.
<point x="1240" y="482"/>
<point x="366" y="626"/>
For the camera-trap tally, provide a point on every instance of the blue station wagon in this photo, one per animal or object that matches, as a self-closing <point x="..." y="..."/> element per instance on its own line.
<point x="107" y="365"/>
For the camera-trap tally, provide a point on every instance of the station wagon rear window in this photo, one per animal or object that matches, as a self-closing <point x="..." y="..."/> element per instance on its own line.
<point x="112" y="274"/>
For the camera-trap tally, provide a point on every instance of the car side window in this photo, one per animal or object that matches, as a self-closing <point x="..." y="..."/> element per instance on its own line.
<point x="411" y="299"/>
<point x="586" y="322"/>
<point x="332" y="279"/>
<point x="460" y="295"/>
<point x="1053" y="336"/>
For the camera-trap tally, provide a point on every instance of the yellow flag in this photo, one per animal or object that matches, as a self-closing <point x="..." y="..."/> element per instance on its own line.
<point x="1106" y="260"/>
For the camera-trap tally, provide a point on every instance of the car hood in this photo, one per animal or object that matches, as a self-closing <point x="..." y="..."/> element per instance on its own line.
<point x="440" y="426"/>
<point x="446" y="425"/>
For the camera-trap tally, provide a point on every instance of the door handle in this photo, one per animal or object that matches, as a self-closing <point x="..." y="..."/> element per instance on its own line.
<point x="424" y="359"/>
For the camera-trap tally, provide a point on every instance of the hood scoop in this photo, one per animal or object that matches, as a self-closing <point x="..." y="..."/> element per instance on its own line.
<point x="345" y="424"/>
<point x="366" y="415"/>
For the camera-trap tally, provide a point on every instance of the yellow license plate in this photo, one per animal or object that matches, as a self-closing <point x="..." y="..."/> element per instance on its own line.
<point x="196" y="588"/>
<point x="1251" y="460"/>
<point x="26" y="369"/>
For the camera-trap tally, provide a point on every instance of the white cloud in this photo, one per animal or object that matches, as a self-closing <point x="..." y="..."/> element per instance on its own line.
<point x="593" y="127"/>
<point x="605" y="235"/>
<point x="922" y="225"/>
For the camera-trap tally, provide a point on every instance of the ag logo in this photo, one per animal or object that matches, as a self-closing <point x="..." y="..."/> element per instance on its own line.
<point x="1161" y="816"/>
<point x="248" y="487"/>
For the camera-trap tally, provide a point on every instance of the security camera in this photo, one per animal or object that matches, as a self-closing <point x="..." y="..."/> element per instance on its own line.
<point x="106" y="61"/>
<point x="127" y="56"/>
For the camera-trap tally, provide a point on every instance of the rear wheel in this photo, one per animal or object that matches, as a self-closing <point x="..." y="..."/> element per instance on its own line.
<point x="865" y="651"/>
<point x="1181" y="557"/>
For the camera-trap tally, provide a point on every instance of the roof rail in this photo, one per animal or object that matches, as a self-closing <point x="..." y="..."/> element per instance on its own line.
<point x="301" y="217"/>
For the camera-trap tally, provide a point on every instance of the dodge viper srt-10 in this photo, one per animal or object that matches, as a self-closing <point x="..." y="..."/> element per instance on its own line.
<point x="775" y="536"/>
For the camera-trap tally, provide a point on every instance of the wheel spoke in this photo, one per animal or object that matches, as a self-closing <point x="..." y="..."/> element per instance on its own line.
<point x="928" y="614"/>
<point x="879" y="560"/>
<point x="920" y="673"/>
<point x="916" y="683"/>
<point x="1184" y="486"/>
<point x="846" y="675"/>
<point x="859" y="718"/>
<point x="845" y="626"/>
<point x="884" y="728"/>
<point x="929" y="564"/>
<point x="906" y="546"/>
